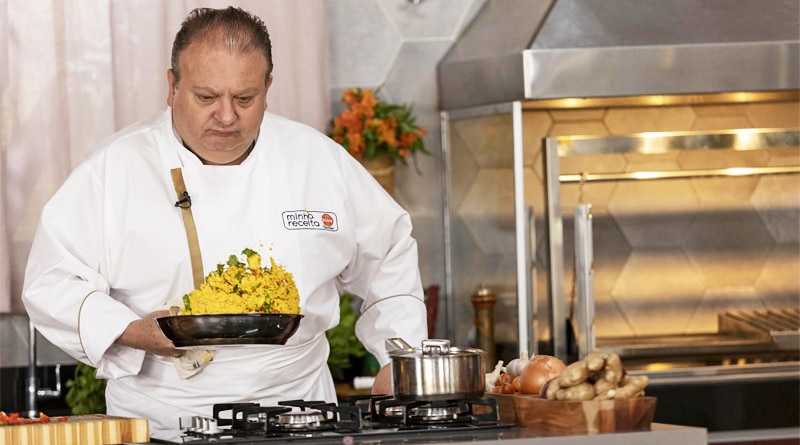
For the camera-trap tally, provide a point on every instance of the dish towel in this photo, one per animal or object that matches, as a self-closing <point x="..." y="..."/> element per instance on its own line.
<point x="194" y="360"/>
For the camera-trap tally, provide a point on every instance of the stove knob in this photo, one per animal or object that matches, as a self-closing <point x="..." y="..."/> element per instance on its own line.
<point x="210" y="426"/>
<point x="197" y="424"/>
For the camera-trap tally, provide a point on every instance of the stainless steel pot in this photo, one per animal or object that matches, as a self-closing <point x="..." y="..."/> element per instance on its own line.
<point x="435" y="371"/>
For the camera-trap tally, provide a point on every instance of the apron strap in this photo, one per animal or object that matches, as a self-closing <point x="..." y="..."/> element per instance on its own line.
<point x="185" y="203"/>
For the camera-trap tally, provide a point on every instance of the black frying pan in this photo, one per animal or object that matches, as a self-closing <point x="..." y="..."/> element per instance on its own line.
<point x="229" y="329"/>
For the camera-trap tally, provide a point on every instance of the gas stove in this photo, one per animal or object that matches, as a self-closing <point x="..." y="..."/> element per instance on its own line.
<point x="299" y="421"/>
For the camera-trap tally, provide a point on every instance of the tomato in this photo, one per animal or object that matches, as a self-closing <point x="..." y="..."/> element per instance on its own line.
<point x="16" y="419"/>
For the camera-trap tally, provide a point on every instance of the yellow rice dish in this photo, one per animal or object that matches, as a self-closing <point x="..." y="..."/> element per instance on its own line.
<point x="237" y="287"/>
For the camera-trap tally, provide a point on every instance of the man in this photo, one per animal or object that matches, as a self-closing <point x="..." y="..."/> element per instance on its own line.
<point x="113" y="248"/>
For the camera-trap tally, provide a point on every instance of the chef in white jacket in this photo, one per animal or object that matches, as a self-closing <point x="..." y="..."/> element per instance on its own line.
<point x="112" y="247"/>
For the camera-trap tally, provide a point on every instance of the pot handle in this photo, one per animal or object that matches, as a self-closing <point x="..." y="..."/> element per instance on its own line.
<point x="393" y="344"/>
<point x="429" y="347"/>
<point x="434" y="346"/>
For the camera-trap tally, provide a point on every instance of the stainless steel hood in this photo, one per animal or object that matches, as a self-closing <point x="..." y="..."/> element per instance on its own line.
<point x="549" y="49"/>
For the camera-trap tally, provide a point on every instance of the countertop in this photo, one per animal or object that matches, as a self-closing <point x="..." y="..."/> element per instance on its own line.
<point x="659" y="434"/>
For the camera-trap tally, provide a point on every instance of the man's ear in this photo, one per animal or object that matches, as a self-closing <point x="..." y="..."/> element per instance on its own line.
<point x="171" y="85"/>
<point x="266" y="91"/>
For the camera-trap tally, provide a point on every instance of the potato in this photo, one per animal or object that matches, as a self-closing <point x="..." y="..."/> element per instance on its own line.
<point x="612" y="371"/>
<point x="606" y="395"/>
<point x="595" y="361"/>
<point x="574" y="374"/>
<point x="582" y="391"/>
<point x="632" y="386"/>
<point x="599" y="376"/>
<point x="601" y="386"/>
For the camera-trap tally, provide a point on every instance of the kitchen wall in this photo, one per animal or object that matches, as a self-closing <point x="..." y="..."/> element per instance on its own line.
<point x="669" y="255"/>
<point x="395" y="45"/>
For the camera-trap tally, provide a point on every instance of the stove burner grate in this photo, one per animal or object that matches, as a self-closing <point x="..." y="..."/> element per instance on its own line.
<point x="438" y="413"/>
<point x="365" y="415"/>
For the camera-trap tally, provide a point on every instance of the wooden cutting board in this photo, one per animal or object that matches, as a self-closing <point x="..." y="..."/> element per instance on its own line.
<point x="94" y="429"/>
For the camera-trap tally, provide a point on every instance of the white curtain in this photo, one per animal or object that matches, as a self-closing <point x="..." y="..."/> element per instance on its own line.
<point x="74" y="71"/>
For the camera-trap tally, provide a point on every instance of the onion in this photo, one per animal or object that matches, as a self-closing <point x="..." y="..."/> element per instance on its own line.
<point x="540" y="370"/>
<point x="543" y="391"/>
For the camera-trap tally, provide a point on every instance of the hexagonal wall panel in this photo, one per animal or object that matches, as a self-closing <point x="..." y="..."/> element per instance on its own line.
<point x="727" y="248"/>
<point x="364" y="50"/>
<point x="784" y="156"/>
<point x="703" y="159"/>
<point x="535" y="198"/>
<point x="667" y="161"/>
<point x="715" y="123"/>
<point x="605" y="163"/>
<point x="724" y="193"/>
<point x="609" y="320"/>
<point x="429" y="19"/>
<point x="421" y="92"/>
<point x="463" y="167"/>
<point x="777" y="201"/>
<point x="774" y="115"/>
<point x="488" y="211"/>
<point x="611" y="251"/>
<point x="609" y="248"/>
<point x="716" y="301"/>
<point x="778" y="284"/>
<point x="592" y="128"/>
<point x="490" y="139"/>
<point x="653" y="213"/>
<point x="639" y="120"/>
<point x="656" y="290"/>
<point x="468" y="268"/>
<point x="535" y="127"/>
<point x="598" y="194"/>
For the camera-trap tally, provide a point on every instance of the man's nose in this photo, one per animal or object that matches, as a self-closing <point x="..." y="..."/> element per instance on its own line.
<point x="226" y="111"/>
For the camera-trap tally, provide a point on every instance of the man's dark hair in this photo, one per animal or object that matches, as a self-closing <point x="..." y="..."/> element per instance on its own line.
<point x="235" y="28"/>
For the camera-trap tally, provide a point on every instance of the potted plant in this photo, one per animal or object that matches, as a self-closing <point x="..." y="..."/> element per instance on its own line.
<point x="87" y="394"/>
<point x="378" y="133"/>
<point x="347" y="351"/>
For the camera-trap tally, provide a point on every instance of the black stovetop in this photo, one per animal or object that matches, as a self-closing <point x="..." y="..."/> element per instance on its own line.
<point x="354" y="420"/>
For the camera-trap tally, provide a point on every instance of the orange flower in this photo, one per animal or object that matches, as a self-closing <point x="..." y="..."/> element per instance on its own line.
<point x="349" y="121"/>
<point x="356" y="143"/>
<point x="408" y="138"/>
<point x="369" y="128"/>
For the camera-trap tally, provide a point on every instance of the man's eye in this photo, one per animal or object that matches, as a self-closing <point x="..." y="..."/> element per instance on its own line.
<point x="205" y="98"/>
<point x="246" y="99"/>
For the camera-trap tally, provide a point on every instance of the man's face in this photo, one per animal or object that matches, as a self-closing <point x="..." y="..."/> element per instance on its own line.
<point x="220" y="100"/>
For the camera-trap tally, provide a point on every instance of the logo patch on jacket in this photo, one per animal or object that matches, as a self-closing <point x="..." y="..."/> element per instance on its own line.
<point x="310" y="220"/>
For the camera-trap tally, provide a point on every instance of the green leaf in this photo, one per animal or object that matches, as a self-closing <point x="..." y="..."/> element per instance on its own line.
<point x="344" y="344"/>
<point x="87" y="394"/>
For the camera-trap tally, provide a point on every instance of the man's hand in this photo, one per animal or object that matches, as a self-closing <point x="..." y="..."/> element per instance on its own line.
<point x="383" y="381"/>
<point x="145" y="334"/>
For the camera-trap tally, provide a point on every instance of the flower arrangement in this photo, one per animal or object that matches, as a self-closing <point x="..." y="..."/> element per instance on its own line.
<point x="369" y="128"/>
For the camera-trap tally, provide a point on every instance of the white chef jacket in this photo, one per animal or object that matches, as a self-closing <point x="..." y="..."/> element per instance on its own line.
<point x="111" y="247"/>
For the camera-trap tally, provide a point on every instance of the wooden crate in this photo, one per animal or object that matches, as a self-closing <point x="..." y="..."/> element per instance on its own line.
<point x="601" y="416"/>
